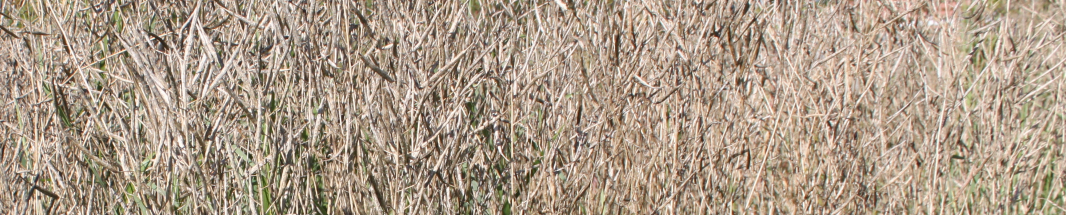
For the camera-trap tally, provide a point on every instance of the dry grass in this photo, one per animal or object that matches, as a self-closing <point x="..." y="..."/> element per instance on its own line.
<point x="553" y="106"/>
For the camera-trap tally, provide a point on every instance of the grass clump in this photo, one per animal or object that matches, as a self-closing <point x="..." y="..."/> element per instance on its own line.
<point x="518" y="107"/>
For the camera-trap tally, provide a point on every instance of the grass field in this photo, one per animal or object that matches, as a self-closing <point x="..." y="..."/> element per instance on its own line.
<point x="532" y="107"/>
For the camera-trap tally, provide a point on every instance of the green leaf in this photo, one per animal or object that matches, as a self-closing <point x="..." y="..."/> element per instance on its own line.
<point x="506" y="208"/>
<point x="242" y="154"/>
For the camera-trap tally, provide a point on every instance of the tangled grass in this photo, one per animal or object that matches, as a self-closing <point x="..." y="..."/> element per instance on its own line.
<point x="531" y="107"/>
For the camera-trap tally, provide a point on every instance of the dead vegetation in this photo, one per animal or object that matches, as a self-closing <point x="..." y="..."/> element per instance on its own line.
<point x="531" y="107"/>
